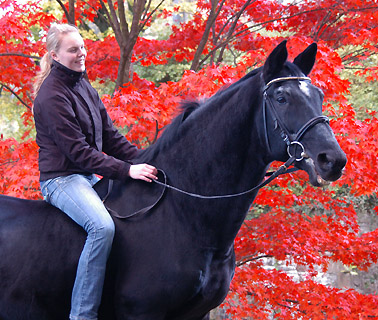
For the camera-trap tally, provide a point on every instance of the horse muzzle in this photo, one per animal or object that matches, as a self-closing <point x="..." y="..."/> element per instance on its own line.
<point x="325" y="167"/>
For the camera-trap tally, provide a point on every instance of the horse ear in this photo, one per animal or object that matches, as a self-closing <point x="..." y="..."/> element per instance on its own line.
<point x="275" y="61"/>
<point x="306" y="60"/>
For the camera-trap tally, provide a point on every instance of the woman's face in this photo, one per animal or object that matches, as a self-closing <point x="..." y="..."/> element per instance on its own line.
<point x="72" y="52"/>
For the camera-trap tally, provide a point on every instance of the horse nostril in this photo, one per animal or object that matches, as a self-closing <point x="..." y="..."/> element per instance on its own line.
<point x="330" y="164"/>
<point x="325" y="162"/>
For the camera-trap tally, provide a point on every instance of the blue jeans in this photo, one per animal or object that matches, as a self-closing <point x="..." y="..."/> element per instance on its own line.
<point x="75" y="196"/>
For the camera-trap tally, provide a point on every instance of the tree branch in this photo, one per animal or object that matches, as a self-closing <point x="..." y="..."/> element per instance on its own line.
<point x="71" y="12"/>
<point x="18" y="54"/>
<point x="8" y="162"/>
<point x="251" y="258"/>
<point x="146" y="17"/>
<point x="16" y="95"/>
<point x="138" y="9"/>
<point x="241" y="33"/>
<point x="209" y="23"/>
<point x="113" y="20"/>
<point x="123" y="22"/>
<point x="66" y="13"/>
<point x="232" y="28"/>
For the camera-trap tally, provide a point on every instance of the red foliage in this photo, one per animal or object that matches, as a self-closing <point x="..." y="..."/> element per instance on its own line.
<point x="291" y="221"/>
<point x="19" y="168"/>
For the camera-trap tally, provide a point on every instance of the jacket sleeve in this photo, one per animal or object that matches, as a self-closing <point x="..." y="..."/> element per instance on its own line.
<point x="57" y="114"/>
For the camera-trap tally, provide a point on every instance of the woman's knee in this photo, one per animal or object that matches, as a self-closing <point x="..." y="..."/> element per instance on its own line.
<point x="103" y="229"/>
<point x="109" y="230"/>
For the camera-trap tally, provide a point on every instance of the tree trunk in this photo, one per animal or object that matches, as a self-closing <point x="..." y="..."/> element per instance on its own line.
<point x="209" y="23"/>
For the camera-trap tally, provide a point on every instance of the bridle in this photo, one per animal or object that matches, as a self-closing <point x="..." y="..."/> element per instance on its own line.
<point x="291" y="140"/>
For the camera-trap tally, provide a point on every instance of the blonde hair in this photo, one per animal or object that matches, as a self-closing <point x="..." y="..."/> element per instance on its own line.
<point x="53" y="42"/>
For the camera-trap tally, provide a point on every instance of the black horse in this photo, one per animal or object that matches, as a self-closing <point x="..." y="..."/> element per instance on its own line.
<point x="176" y="260"/>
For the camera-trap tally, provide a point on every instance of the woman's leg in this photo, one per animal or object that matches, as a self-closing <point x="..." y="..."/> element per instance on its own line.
<point x="75" y="196"/>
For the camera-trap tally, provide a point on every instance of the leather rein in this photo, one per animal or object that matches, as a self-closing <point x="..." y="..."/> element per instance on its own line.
<point x="292" y="141"/>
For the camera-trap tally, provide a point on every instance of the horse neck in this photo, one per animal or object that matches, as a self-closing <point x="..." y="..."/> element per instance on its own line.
<point x="220" y="154"/>
<point x="222" y="142"/>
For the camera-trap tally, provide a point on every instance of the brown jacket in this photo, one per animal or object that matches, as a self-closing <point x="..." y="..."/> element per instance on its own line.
<point x="74" y="131"/>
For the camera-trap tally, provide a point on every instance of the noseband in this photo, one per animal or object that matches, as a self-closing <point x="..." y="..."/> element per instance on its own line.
<point x="291" y="140"/>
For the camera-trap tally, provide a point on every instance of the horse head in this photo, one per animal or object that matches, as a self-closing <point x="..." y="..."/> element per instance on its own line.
<point x="292" y="116"/>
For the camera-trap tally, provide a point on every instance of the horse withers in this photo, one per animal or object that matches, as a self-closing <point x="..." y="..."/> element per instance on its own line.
<point x="175" y="261"/>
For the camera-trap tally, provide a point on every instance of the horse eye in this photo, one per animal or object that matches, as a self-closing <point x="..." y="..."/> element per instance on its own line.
<point x="281" y="100"/>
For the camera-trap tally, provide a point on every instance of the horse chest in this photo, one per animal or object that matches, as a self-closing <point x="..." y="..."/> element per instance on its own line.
<point x="209" y="290"/>
<point x="185" y="288"/>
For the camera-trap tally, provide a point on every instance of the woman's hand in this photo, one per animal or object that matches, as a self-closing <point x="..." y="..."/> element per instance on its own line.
<point x="143" y="171"/>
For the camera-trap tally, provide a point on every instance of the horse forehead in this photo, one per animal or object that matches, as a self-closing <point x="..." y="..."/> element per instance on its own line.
<point x="305" y="88"/>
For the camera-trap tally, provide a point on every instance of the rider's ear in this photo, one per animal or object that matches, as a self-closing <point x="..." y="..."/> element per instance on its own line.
<point x="306" y="60"/>
<point x="275" y="62"/>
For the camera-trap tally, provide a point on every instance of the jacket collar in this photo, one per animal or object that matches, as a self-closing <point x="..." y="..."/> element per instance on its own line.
<point x="71" y="77"/>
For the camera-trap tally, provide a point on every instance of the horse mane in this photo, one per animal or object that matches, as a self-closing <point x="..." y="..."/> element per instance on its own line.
<point x="171" y="131"/>
<point x="188" y="109"/>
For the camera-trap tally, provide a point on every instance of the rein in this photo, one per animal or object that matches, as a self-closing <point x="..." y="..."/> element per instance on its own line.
<point x="291" y="140"/>
<point x="272" y="175"/>
<point x="281" y="170"/>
